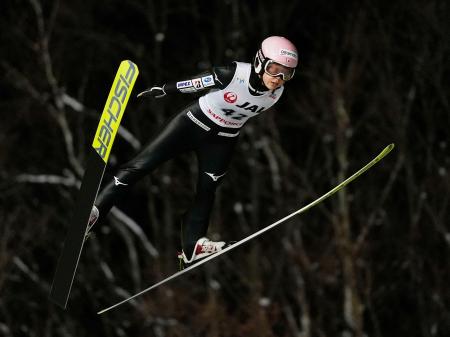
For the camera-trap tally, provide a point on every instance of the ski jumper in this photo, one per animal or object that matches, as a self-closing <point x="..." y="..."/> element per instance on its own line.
<point x="209" y="127"/>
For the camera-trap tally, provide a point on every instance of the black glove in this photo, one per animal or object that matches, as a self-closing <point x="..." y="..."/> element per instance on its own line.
<point x="153" y="92"/>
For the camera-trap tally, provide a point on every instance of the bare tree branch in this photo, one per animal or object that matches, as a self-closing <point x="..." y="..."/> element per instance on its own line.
<point x="69" y="181"/>
<point x="123" y="132"/>
<point x="31" y="274"/>
<point x="5" y="330"/>
<point x="273" y="164"/>
<point x="136" y="229"/>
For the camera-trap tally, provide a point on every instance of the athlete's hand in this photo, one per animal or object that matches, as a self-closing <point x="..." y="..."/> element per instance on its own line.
<point x="153" y="92"/>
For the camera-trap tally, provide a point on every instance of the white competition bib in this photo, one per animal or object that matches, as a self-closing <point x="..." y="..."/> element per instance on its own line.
<point x="232" y="106"/>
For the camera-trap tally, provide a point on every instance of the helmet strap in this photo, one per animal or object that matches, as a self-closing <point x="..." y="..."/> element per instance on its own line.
<point x="259" y="62"/>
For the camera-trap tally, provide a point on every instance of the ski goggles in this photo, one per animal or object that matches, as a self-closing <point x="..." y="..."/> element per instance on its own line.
<point x="275" y="70"/>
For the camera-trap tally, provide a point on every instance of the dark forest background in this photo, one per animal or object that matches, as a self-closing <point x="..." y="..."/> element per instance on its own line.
<point x="371" y="261"/>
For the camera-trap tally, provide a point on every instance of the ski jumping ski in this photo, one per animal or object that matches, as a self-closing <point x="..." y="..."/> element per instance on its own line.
<point x="382" y="154"/>
<point x="93" y="175"/>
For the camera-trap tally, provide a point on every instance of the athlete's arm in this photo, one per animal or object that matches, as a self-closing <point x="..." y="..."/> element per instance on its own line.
<point x="216" y="77"/>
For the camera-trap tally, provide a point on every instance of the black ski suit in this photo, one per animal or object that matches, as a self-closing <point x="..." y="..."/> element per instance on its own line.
<point x="189" y="130"/>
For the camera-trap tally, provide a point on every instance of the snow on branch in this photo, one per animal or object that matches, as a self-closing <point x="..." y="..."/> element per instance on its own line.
<point x="70" y="181"/>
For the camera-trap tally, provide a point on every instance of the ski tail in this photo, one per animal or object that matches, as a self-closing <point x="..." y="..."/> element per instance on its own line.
<point x="93" y="175"/>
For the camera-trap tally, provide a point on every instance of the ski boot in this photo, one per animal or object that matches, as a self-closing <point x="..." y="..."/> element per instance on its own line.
<point x="203" y="248"/>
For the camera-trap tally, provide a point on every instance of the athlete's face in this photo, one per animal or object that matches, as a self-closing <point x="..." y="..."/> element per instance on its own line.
<point x="272" y="82"/>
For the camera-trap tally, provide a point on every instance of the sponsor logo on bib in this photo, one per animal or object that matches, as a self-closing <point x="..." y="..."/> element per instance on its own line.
<point x="230" y="97"/>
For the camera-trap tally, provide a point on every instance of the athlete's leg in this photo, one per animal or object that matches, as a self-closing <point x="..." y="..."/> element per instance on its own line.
<point x="213" y="158"/>
<point x="179" y="135"/>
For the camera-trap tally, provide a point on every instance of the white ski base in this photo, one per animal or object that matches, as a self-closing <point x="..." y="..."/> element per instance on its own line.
<point x="382" y="154"/>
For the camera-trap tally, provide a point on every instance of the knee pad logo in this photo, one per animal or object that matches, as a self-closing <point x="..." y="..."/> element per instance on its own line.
<point x="215" y="177"/>
<point x="117" y="182"/>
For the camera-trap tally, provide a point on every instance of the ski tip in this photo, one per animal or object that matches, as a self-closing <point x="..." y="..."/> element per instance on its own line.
<point x="386" y="150"/>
